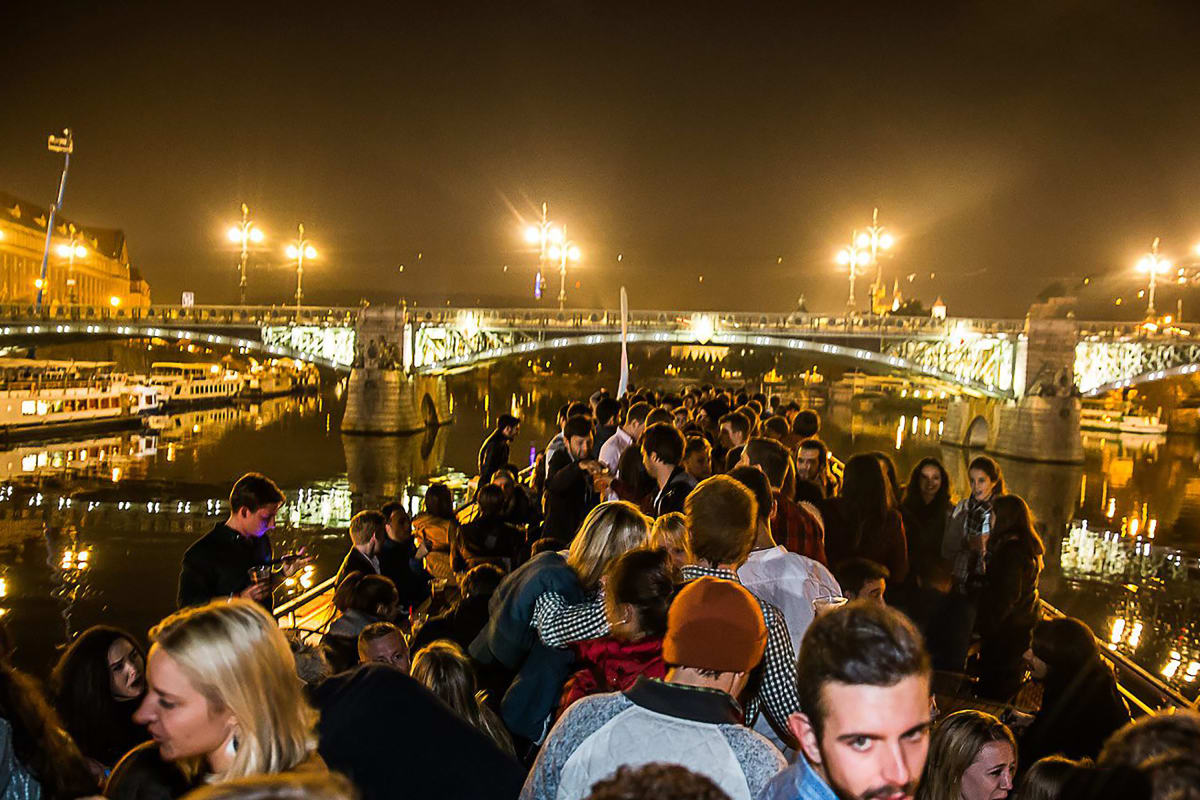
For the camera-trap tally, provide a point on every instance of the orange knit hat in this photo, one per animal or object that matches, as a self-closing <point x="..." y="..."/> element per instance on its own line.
<point x="717" y="625"/>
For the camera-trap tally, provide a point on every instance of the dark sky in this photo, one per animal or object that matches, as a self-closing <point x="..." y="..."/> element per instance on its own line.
<point x="1006" y="143"/>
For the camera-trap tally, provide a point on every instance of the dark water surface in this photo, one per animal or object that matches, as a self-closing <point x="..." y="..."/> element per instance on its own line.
<point x="92" y="529"/>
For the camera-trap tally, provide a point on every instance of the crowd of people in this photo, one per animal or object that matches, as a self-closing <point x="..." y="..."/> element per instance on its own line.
<point x="685" y="596"/>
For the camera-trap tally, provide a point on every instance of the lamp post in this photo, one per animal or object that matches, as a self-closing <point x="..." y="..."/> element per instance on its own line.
<point x="64" y="144"/>
<point x="244" y="233"/>
<point x="543" y="234"/>
<point x="856" y="258"/>
<point x="564" y="251"/>
<point x="300" y="250"/>
<point x="1155" y="265"/>
<point x="876" y="238"/>
<point x="70" y="250"/>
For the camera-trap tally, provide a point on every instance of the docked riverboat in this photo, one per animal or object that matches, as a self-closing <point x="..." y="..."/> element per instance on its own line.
<point x="42" y="397"/>
<point x="182" y="384"/>
<point x="1111" y="420"/>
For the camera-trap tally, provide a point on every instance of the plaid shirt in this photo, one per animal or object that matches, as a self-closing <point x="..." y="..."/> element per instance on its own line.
<point x="797" y="529"/>
<point x="558" y="624"/>
<point x="777" y="695"/>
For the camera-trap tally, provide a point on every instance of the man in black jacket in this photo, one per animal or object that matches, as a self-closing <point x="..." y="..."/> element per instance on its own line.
<point x="662" y="455"/>
<point x="493" y="455"/>
<point x="218" y="564"/>
<point x="400" y="559"/>
<point x="366" y="542"/>
<point x="570" y="491"/>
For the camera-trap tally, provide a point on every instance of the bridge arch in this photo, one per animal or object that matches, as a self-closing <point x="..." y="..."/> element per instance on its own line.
<point x="786" y="343"/>
<point x="978" y="433"/>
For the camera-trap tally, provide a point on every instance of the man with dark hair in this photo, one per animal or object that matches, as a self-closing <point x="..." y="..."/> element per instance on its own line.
<point x="662" y="453"/>
<point x="383" y="643"/>
<point x="722" y="521"/>
<point x="864" y="682"/>
<point x="558" y="442"/>
<point x="494" y="453"/>
<point x="463" y="621"/>
<point x="795" y="527"/>
<point x="608" y="414"/>
<point x="697" y="458"/>
<point x="218" y="564"/>
<point x="570" y="491"/>
<point x="806" y="424"/>
<point x="627" y="434"/>
<point x="715" y="638"/>
<point x="813" y="465"/>
<point x="659" y="415"/>
<point x="399" y="557"/>
<point x="735" y="430"/>
<point x="367" y="531"/>
<point x="776" y="428"/>
<point x="863" y="579"/>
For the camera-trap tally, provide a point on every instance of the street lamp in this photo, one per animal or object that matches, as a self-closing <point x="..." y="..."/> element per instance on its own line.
<point x="244" y="233"/>
<point x="856" y="258"/>
<point x="64" y="144"/>
<point x="876" y="238"/>
<point x="563" y="251"/>
<point x="543" y="234"/>
<point x="298" y="251"/>
<point x="1155" y="265"/>
<point x="71" y="250"/>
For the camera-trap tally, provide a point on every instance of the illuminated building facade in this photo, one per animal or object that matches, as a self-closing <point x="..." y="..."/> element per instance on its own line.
<point x="87" y="267"/>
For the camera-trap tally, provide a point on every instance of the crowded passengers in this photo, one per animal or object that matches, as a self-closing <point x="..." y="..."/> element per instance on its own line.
<point x="684" y="596"/>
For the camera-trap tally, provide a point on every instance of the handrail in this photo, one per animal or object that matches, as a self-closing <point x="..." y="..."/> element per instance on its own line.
<point x="300" y="599"/>
<point x="1122" y="663"/>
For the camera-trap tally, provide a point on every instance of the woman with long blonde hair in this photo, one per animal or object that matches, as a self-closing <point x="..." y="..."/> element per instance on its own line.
<point x="223" y="701"/>
<point x="550" y="601"/>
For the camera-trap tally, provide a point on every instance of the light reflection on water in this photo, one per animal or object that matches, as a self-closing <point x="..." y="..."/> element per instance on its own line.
<point x="92" y="529"/>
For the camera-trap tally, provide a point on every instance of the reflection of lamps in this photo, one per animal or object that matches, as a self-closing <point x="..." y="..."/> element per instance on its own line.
<point x="703" y="328"/>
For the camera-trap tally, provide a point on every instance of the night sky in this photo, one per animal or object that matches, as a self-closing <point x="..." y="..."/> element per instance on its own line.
<point x="1006" y="143"/>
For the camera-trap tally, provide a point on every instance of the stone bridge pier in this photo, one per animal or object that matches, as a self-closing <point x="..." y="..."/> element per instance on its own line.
<point x="382" y="397"/>
<point x="1042" y="423"/>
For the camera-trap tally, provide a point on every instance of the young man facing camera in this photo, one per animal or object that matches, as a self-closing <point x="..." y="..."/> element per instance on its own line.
<point x="863" y="677"/>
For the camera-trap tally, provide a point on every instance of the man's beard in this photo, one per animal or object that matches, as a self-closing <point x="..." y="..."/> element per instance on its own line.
<point x="878" y="793"/>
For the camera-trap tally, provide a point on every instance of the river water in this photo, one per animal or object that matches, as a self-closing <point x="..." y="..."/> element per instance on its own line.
<point x="92" y="529"/>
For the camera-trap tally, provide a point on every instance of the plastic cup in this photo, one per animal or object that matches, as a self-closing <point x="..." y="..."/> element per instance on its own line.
<point x="823" y="605"/>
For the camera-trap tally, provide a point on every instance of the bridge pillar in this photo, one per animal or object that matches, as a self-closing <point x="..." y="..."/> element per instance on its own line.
<point x="1042" y="423"/>
<point x="381" y="398"/>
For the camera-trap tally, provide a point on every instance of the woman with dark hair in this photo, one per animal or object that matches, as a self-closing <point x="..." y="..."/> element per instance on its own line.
<point x="361" y="601"/>
<point x="96" y="686"/>
<point x="889" y="472"/>
<point x="862" y="521"/>
<point x="1008" y="604"/>
<point x="925" y="506"/>
<point x="38" y="758"/>
<point x="437" y="526"/>
<point x="633" y="483"/>
<point x="638" y="590"/>
<point x="965" y="548"/>
<point x="1081" y="705"/>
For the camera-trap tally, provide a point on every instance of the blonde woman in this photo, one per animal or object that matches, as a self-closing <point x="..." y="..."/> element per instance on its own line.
<point x="444" y="669"/>
<point x="548" y="602"/>
<point x="670" y="532"/>
<point x="223" y="701"/>
<point x="972" y="756"/>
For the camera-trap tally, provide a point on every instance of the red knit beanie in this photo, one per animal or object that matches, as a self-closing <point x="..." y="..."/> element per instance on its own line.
<point x="717" y="625"/>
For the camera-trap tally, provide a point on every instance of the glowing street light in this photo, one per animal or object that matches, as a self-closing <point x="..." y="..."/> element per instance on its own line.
<point x="70" y="250"/>
<point x="562" y="252"/>
<point x="856" y="258"/>
<point x="244" y="233"/>
<point x="544" y="234"/>
<point x="875" y="239"/>
<point x="299" y="251"/>
<point x="1155" y="265"/>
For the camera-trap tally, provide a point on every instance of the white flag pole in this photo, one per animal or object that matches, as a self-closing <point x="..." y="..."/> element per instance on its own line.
<point x="623" y="386"/>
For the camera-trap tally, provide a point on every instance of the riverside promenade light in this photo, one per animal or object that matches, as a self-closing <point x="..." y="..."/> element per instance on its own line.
<point x="244" y="233"/>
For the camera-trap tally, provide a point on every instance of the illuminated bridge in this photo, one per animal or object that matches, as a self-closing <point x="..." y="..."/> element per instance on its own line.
<point x="984" y="356"/>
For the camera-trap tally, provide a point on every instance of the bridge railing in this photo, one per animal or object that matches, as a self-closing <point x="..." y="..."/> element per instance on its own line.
<point x="607" y="319"/>
<point x="249" y="316"/>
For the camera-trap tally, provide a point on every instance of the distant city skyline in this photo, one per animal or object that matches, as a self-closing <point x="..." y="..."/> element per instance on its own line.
<point x="1006" y="148"/>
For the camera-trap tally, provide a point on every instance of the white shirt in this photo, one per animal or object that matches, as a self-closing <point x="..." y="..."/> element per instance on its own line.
<point x="611" y="450"/>
<point x="790" y="582"/>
